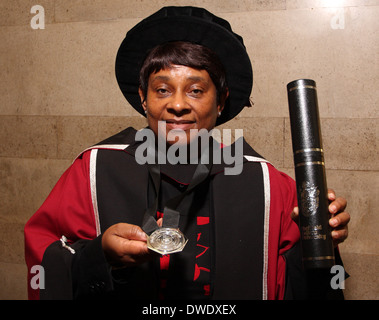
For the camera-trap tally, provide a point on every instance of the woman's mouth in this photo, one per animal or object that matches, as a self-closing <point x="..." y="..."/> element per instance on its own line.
<point x="185" y="125"/>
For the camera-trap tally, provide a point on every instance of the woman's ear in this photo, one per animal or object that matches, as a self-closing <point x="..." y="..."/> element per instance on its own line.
<point x="142" y="97"/>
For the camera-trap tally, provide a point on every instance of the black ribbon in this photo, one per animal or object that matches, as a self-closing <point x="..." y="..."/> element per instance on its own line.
<point x="149" y="224"/>
<point x="170" y="214"/>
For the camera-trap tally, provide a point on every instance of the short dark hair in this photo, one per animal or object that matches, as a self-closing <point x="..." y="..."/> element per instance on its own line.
<point x="187" y="54"/>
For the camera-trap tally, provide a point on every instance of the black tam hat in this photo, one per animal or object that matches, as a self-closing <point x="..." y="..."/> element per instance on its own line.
<point x="194" y="25"/>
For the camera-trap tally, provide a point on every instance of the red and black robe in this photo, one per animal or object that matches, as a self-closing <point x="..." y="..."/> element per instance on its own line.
<point x="242" y="241"/>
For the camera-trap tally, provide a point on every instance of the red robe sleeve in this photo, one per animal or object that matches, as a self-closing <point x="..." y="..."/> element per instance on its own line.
<point x="66" y="212"/>
<point x="284" y="232"/>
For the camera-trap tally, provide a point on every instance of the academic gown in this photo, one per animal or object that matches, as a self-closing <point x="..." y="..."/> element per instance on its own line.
<point x="242" y="243"/>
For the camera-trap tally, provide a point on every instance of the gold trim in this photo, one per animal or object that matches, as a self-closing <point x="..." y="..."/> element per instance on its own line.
<point x="321" y="163"/>
<point x="307" y="86"/>
<point x="318" y="258"/>
<point x="308" y="150"/>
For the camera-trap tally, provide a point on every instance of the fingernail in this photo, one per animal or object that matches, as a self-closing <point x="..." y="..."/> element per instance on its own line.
<point x="142" y="235"/>
<point x="333" y="209"/>
<point x="334" y="222"/>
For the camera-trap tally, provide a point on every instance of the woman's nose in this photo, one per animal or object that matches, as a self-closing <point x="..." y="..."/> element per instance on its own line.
<point x="178" y="104"/>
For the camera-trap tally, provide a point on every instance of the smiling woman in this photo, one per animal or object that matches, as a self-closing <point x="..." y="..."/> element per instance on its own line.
<point x="242" y="242"/>
<point x="183" y="97"/>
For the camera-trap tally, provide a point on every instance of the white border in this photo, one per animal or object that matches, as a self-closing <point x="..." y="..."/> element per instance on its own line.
<point x="92" y="177"/>
<point x="266" y="182"/>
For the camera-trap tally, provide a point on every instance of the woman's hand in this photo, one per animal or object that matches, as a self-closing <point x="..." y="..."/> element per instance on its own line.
<point x="339" y="217"/>
<point x="125" y="245"/>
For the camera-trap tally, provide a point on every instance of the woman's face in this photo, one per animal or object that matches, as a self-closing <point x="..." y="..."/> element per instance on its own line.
<point x="182" y="97"/>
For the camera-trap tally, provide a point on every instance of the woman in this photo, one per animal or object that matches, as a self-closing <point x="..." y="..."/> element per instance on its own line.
<point x="94" y="233"/>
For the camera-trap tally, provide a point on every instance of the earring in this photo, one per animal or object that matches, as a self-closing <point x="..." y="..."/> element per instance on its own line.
<point x="219" y="113"/>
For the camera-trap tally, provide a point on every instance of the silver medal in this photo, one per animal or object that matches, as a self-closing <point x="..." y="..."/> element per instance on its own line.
<point x="166" y="241"/>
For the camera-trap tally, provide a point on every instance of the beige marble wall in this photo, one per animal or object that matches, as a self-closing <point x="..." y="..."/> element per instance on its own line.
<point x="59" y="95"/>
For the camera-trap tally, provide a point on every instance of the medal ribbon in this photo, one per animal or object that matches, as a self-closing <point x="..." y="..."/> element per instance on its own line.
<point x="170" y="215"/>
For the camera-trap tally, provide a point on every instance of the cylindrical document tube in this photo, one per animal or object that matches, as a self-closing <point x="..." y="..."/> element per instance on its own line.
<point x="312" y="192"/>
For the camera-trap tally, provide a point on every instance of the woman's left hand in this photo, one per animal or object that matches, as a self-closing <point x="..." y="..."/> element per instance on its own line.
<point x="339" y="217"/>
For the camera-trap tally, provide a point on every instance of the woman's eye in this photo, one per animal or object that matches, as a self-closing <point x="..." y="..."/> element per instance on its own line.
<point x="196" y="92"/>
<point x="162" y="91"/>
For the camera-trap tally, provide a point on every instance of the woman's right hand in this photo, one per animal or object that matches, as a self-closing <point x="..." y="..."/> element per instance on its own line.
<point x="125" y="245"/>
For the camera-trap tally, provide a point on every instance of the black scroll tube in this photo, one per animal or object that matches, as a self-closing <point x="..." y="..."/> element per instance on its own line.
<point x="312" y="192"/>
